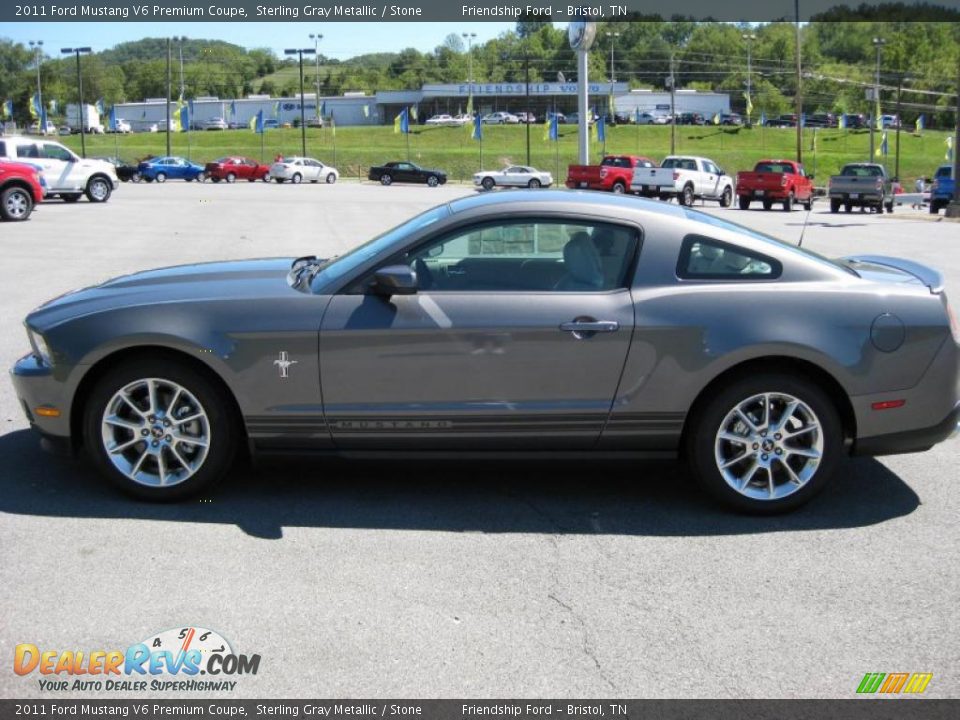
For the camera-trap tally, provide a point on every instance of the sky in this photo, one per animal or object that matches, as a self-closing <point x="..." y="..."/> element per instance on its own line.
<point x="341" y="40"/>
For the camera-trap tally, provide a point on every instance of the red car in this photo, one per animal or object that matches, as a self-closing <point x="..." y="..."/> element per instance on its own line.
<point x="232" y="169"/>
<point x="775" y="181"/>
<point x="613" y="174"/>
<point x="21" y="187"/>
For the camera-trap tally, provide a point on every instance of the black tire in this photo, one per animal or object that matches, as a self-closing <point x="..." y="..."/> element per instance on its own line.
<point x="161" y="177"/>
<point x="225" y="430"/>
<point x="848" y="208"/>
<point x="433" y="180"/>
<point x="834" y="206"/>
<point x="16" y="204"/>
<point x="808" y="205"/>
<point x="231" y="178"/>
<point x="386" y="179"/>
<point x="618" y="188"/>
<point x="744" y="202"/>
<point x="664" y="198"/>
<point x="215" y="179"/>
<point x="934" y="207"/>
<point x="488" y="183"/>
<point x="767" y="204"/>
<point x="98" y="189"/>
<point x="890" y="207"/>
<point x="280" y="181"/>
<point x="686" y="196"/>
<point x="296" y="179"/>
<point x="331" y="178"/>
<point x="726" y="197"/>
<point x="533" y="184"/>
<point x="708" y="420"/>
<point x="70" y="198"/>
<point x="788" y="203"/>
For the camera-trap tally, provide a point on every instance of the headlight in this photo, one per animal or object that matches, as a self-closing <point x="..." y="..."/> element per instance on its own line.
<point x="40" y="347"/>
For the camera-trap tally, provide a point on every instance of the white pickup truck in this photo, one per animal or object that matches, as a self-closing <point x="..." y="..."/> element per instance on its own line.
<point x="688" y="178"/>
<point x="65" y="174"/>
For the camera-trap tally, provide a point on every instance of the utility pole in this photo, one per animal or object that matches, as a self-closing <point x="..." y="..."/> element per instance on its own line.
<point x="469" y="38"/>
<point x="799" y="96"/>
<point x="182" y="85"/>
<point x="749" y="37"/>
<point x="878" y="43"/>
<point x="896" y="171"/>
<point x="169" y="86"/>
<point x="526" y="78"/>
<point x="38" y="53"/>
<point x="673" y="108"/>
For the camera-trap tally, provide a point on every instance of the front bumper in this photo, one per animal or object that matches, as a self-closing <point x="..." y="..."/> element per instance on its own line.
<point x="36" y="387"/>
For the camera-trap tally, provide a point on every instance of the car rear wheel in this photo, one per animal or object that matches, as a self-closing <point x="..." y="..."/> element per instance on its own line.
<point x="686" y="197"/>
<point x="767" y="443"/>
<point x="488" y="183"/>
<point x="385" y="179"/>
<point x="433" y="181"/>
<point x="331" y="179"/>
<point x="296" y="179"/>
<point x="788" y="203"/>
<point x="767" y="204"/>
<point x="808" y="205"/>
<point x="159" y="430"/>
<point x="98" y="189"/>
<point x="161" y="177"/>
<point x="215" y="179"/>
<point x="231" y="178"/>
<point x="16" y="204"/>
<point x="890" y="207"/>
<point x="726" y="197"/>
<point x="136" y="177"/>
<point x="934" y="207"/>
<point x="619" y="188"/>
<point x="744" y="203"/>
<point x="834" y="206"/>
<point x="533" y="184"/>
<point x="848" y="208"/>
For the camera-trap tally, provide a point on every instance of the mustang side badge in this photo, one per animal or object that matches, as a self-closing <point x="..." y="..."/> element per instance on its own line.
<point x="284" y="362"/>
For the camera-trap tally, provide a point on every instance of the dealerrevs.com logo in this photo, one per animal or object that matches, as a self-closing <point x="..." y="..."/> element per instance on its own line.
<point x="173" y="660"/>
<point x="894" y="683"/>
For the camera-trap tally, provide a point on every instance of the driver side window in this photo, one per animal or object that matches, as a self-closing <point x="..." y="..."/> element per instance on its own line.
<point x="528" y="255"/>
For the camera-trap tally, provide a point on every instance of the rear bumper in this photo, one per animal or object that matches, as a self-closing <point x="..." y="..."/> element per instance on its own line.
<point x="911" y="440"/>
<point x="863" y="199"/>
<point x="779" y="193"/>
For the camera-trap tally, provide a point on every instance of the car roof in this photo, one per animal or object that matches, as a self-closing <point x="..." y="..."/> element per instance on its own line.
<point x="564" y="200"/>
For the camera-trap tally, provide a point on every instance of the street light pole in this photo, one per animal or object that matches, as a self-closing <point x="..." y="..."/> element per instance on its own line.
<point x="953" y="207"/>
<point x="300" y="52"/>
<point x="83" y="125"/>
<point x="169" y="85"/>
<point x="613" y="41"/>
<point x="469" y="38"/>
<point x="317" y="37"/>
<point x="38" y="53"/>
<point x="673" y="108"/>
<point x="799" y="97"/>
<point x="878" y="43"/>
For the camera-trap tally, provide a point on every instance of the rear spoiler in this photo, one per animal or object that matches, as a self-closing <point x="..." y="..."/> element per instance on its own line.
<point x="933" y="279"/>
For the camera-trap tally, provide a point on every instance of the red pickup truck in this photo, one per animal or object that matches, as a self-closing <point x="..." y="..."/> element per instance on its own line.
<point x="21" y="187"/>
<point x="775" y="181"/>
<point x="613" y="174"/>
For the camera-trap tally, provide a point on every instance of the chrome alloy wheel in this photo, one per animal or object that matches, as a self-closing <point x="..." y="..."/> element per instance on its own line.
<point x="99" y="190"/>
<point x="17" y="204"/>
<point x="769" y="446"/>
<point x="155" y="432"/>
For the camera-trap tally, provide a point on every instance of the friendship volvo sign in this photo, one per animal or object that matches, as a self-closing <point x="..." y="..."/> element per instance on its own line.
<point x="520" y="89"/>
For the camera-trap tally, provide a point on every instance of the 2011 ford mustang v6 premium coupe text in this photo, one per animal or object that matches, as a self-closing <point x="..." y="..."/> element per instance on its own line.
<point x="538" y="322"/>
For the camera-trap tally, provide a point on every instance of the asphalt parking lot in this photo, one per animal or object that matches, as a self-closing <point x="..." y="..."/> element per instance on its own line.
<point x="464" y="580"/>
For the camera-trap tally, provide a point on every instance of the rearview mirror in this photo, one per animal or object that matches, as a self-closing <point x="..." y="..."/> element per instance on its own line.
<point x="395" y="280"/>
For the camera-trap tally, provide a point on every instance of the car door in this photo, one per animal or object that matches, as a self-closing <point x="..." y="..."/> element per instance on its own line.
<point x="709" y="179"/>
<point x="404" y="172"/>
<point x="516" y="337"/>
<point x="515" y="176"/>
<point x="55" y="171"/>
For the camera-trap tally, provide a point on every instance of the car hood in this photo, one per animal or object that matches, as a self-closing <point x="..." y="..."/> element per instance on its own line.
<point x="237" y="280"/>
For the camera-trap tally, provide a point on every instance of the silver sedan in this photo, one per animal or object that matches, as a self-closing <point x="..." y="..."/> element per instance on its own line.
<point x="513" y="176"/>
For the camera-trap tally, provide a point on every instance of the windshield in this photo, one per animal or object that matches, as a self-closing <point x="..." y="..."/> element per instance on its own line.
<point x="335" y="268"/>
<point x="734" y="227"/>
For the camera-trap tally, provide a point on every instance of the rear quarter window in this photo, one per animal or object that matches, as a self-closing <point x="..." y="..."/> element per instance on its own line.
<point x="703" y="258"/>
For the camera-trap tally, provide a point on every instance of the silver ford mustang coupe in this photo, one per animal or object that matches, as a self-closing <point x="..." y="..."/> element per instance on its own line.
<point x="553" y="322"/>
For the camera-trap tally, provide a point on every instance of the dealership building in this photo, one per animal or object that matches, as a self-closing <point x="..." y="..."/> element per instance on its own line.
<point x="431" y="99"/>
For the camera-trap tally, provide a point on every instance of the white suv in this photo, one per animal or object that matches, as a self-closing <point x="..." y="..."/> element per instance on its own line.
<point x="65" y="174"/>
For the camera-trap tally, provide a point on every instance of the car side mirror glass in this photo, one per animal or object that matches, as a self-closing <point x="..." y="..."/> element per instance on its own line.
<point x="395" y="280"/>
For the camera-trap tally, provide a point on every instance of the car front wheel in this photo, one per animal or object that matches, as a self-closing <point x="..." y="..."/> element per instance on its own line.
<point x="159" y="430"/>
<point x="686" y="197"/>
<point x="16" y="204"/>
<point x="98" y="190"/>
<point x="766" y="444"/>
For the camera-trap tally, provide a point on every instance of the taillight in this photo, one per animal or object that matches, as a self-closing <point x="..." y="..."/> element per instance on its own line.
<point x="603" y="173"/>
<point x="676" y="175"/>
<point x="783" y="181"/>
<point x="879" y="184"/>
<point x="954" y="325"/>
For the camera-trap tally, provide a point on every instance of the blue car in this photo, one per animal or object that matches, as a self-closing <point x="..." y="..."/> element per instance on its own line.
<point x="162" y="169"/>
<point x="943" y="188"/>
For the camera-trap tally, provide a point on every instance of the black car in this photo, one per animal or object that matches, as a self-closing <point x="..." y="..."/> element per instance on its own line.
<point x="855" y="121"/>
<point x="783" y="121"/>
<point x="691" y="118"/>
<point x="822" y="120"/>
<point x="127" y="172"/>
<point x="392" y="172"/>
<point x="731" y="119"/>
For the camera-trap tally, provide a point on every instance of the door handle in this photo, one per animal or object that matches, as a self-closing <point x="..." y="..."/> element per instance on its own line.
<point x="583" y="329"/>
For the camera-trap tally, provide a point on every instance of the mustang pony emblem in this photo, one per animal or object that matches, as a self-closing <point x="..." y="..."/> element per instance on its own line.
<point x="284" y="362"/>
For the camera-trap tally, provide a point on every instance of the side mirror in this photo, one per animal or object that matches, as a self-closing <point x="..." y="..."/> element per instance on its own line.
<point x="721" y="171"/>
<point x="395" y="280"/>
